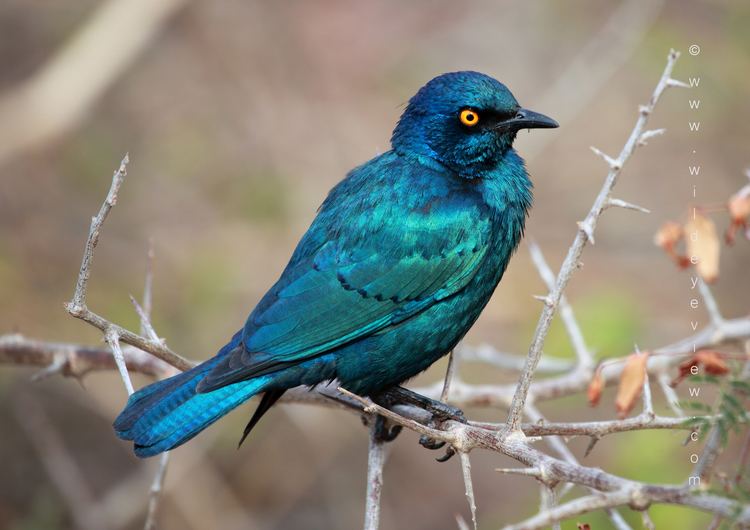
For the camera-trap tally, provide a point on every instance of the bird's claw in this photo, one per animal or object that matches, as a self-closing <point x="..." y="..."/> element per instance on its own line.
<point x="430" y="443"/>
<point x="385" y="432"/>
<point x="449" y="452"/>
<point x="433" y="445"/>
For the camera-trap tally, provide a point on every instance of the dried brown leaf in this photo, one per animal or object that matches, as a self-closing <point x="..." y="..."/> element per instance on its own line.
<point x="583" y="526"/>
<point x="739" y="212"/>
<point x="631" y="383"/>
<point x="712" y="362"/>
<point x="668" y="237"/>
<point x="595" y="388"/>
<point x="684" y="370"/>
<point x="739" y="205"/>
<point x="702" y="242"/>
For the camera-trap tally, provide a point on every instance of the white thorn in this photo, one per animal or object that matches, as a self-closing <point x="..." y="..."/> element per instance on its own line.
<point x="544" y="299"/>
<point x="611" y="162"/>
<point x="585" y="227"/>
<point x="627" y="205"/>
<point x="677" y="84"/>
<point x="530" y="472"/>
<point x="647" y="135"/>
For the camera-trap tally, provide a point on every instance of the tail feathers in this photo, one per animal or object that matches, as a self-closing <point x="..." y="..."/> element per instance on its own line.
<point x="148" y="405"/>
<point x="168" y="413"/>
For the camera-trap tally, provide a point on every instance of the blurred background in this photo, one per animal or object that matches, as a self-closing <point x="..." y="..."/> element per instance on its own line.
<point x="238" y="117"/>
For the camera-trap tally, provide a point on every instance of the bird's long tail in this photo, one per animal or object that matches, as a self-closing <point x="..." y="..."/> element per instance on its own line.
<point x="168" y="413"/>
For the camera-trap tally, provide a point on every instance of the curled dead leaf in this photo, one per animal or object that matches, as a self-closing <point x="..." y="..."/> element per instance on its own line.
<point x="703" y="247"/>
<point x="631" y="383"/>
<point x="712" y="362"/>
<point x="668" y="237"/>
<point x="684" y="370"/>
<point x="595" y="388"/>
<point x="739" y="212"/>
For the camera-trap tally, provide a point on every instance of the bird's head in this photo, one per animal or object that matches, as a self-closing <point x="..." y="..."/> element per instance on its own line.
<point x="465" y="120"/>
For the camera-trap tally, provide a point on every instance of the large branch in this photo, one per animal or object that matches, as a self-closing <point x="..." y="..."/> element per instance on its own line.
<point x="637" y="495"/>
<point x="74" y="360"/>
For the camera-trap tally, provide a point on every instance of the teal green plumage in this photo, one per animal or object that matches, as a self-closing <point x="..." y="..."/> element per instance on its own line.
<point x="403" y="256"/>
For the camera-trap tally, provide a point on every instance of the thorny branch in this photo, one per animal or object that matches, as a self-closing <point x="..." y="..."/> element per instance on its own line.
<point x="112" y="333"/>
<point x="584" y="235"/>
<point x="513" y="438"/>
<point x="77" y="306"/>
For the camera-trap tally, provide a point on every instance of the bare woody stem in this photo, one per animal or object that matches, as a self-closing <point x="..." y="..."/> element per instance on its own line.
<point x="585" y="234"/>
<point x="77" y="306"/>
<point x="375" y="463"/>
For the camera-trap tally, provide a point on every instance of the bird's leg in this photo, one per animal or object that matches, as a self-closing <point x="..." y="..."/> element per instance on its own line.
<point x="440" y="412"/>
<point x="385" y="432"/>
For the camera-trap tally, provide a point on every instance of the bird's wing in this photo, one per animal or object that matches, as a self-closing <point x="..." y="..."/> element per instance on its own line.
<point x="352" y="287"/>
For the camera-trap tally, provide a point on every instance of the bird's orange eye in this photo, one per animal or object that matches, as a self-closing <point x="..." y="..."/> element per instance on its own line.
<point x="469" y="118"/>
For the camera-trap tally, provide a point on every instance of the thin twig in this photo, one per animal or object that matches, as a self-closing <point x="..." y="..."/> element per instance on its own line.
<point x="744" y="454"/>
<point x="77" y="306"/>
<point x="114" y="343"/>
<point x="468" y="486"/>
<point x="450" y="375"/>
<point x="486" y="353"/>
<point x="548" y="501"/>
<point x="648" y="402"/>
<point x="79" y="297"/>
<point x="155" y="493"/>
<point x="585" y="358"/>
<point x="461" y="522"/>
<point x="375" y="462"/>
<point x="648" y="524"/>
<point x="704" y="467"/>
<point x="711" y="306"/>
<point x="146" y="327"/>
<point x="148" y="286"/>
<point x="673" y="400"/>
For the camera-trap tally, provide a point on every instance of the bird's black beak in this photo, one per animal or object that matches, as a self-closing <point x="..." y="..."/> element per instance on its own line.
<point x="527" y="119"/>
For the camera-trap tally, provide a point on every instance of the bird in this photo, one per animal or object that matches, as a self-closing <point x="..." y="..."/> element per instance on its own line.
<point x="402" y="257"/>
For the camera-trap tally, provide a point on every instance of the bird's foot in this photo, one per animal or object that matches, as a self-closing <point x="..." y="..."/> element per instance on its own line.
<point x="440" y="412"/>
<point x="433" y="445"/>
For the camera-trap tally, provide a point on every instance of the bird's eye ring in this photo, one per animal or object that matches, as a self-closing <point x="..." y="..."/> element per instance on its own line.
<point x="469" y="117"/>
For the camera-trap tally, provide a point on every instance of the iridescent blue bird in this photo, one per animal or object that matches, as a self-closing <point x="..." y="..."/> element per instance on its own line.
<point x="401" y="259"/>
